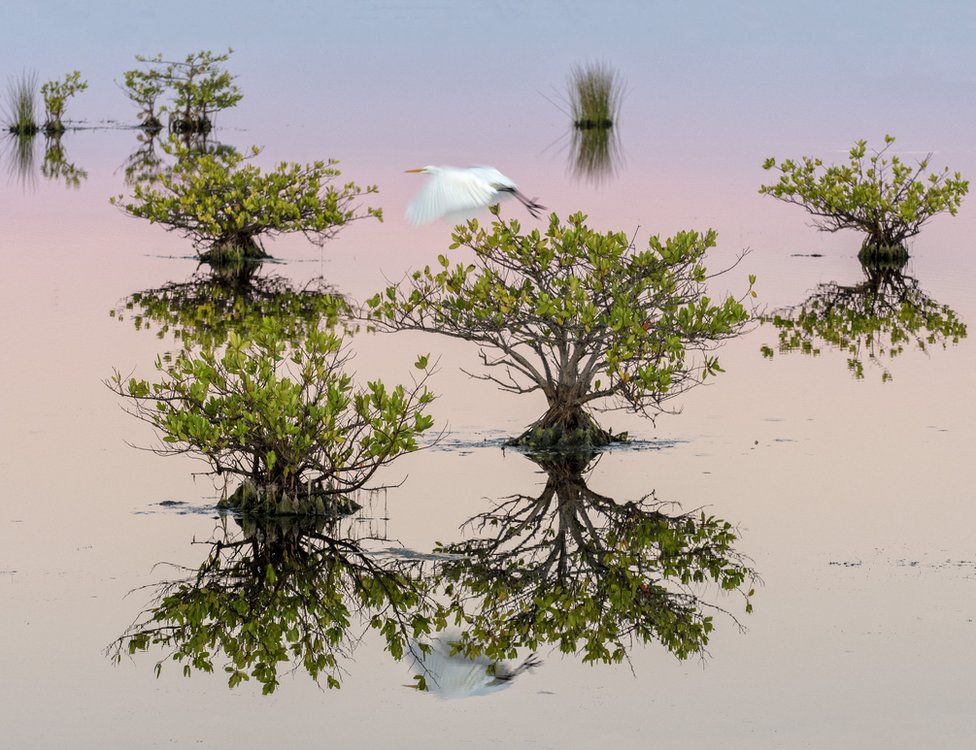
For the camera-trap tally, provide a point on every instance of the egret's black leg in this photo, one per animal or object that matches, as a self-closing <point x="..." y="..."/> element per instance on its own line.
<point x="531" y="205"/>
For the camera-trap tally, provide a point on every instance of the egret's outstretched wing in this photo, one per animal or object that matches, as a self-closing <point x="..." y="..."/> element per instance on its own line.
<point x="452" y="193"/>
<point x="493" y="177"/>
<point x="454" y="676"/>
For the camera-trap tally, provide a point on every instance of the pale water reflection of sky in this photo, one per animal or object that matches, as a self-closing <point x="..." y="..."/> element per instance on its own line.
<point x="814" y="467"/>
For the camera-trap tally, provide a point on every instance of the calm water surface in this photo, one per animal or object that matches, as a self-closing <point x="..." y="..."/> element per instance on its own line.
<point x="853" y="498"/>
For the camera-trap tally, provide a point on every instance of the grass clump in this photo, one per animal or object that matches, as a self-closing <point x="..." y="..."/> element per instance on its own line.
<point x="594" y="95"/>
<point x="595" y="92"/>
<point x="21" y="109"/>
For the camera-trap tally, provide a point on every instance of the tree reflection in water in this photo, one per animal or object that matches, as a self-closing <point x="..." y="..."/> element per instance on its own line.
<point x="19" y="153"/>
<point x="871" y="321"/>
<point x="576" y="569"/>
<point x="154" y="155"/>
<point x="56" y="166"/>
<point x="567" y="568"/>
<point x="206" y="308"/>
<point x="274" y="592"/>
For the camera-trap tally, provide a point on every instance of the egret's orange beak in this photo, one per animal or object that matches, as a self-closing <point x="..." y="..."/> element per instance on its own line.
<point x="414" y="171"/>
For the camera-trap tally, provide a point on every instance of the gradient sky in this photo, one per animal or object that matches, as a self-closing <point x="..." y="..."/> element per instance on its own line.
<point x="751" y="66"/>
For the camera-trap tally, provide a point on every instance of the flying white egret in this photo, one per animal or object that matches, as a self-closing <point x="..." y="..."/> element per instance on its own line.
<point x="457" y="676"/>
<point x="456" y="194"/>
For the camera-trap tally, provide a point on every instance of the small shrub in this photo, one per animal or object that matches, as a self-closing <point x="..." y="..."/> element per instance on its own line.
<point x="145" y="163"/>
<point x="56" y="95"/>
<point x="199" y="85"/>
<point x="144" y="88"/>
<point x="21" y="109"/>
<point x="580" y="316"/>
<point x="281" y="416"/>
<point x="226" y="204"/>
<point x="877" y="194"/>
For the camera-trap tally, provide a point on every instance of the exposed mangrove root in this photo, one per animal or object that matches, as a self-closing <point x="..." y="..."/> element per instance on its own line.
<point x="190" y="125"/>
<point x="272" y="500"/>
<point x="233" y="251"/>
<point x="151" y="125"/>
<point x="875" y="254"/>
<point x="565" y="428"/>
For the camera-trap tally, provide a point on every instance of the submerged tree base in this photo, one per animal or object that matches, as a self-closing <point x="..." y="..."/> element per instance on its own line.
<point x="259" y="500"/>
<point x="559" y="440"/>
<point x="234" y="253"/>
<point x="151" y="125"/>
<point x="561" y="431"/>
<point x="190" y="125"/>
<point x="872" y="254"/>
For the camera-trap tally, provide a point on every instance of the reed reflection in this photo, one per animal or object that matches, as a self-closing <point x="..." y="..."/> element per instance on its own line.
<point x="592" y="102"/>
<point x="595" y="95"/>
<point x="20" y="153"/>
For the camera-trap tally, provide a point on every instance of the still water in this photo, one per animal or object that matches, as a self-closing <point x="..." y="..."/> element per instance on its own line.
<point x="851" y="497"/>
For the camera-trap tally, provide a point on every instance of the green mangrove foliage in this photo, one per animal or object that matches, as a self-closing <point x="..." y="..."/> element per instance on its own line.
<point x="278" y="594"/>
<point x="877" y="194"/>
<point x="225" y="204"/>
<point x="281" y="416"/>
<point x="204" y="310"/>
<point x="21" y="106"/>
<point x="872" y="321"/>
<point x="198" y="85"/>
<point x="574" y="568"/>
<point x="56" y="95"/>
<point x="144" y="89"/>
<point x="580" y="316"/>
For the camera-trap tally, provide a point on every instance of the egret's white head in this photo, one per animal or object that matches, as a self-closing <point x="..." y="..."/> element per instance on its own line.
<point x="425" y="170"/>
